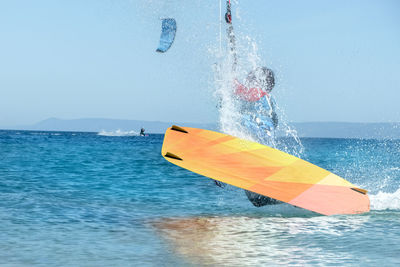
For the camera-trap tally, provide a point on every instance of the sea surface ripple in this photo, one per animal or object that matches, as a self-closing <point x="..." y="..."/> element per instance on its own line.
<point x="82" y="199"/>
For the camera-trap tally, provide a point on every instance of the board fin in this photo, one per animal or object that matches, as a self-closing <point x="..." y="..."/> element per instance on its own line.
<point x="359" y="190"/>
<point x="172" y="156"/>
<point x="179" y="129"/>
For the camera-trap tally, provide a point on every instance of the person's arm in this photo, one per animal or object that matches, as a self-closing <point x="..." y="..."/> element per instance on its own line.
<point x="274" y="115"/>
<point x="272" y="112"/>
<point x="232" y="46"/>
<point x="231" y="34"/>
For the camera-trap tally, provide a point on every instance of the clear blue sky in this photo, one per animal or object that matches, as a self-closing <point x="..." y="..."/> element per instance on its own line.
<point x="335" y="60"/>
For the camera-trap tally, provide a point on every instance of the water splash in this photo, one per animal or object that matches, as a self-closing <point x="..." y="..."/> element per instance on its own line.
<point x="118" y="133"/>
<point x="385" y="201"/>
<point x="230" y="114"/>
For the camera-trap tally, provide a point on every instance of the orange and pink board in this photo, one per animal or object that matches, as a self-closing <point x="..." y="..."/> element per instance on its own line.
<point x="263" y="170"/>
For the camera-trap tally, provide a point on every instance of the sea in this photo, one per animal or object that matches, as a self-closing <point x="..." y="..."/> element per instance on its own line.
<point x="89" y="199"/>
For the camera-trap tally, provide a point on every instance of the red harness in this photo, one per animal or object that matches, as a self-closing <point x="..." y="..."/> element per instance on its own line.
<point x="248" y="94"/>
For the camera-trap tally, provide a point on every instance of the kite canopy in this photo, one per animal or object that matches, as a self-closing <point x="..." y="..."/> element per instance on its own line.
<point x="168" y="31"/>
<point x="262" y="170"/>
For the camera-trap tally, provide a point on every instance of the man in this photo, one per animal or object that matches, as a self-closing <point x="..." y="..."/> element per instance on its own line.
<point x="258" y="111"/>
<point x="255" y="103"/>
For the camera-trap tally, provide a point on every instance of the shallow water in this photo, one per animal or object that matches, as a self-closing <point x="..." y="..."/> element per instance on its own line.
<point x="85" y="199"/>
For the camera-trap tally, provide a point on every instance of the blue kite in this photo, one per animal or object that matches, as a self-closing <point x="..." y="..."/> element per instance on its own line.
<point x="168" y="31"/>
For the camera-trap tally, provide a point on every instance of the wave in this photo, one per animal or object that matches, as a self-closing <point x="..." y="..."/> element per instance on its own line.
<point x="385" y="201"/>
<point x="118" y="133"/>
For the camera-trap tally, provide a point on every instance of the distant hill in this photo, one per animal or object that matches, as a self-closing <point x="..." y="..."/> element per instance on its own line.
<point x="98" y="124"/>
<point x="348" y="130"/>
<point x="304" y="129"/>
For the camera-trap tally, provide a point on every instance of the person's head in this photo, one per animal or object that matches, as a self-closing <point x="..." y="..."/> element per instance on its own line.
<point x="263" y="78"/>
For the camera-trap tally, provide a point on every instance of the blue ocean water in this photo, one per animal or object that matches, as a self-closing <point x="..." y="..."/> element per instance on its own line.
<point x="88" y="200"/>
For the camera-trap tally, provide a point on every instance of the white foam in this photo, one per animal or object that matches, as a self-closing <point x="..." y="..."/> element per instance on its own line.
<point x="385" y="201"/>
<point x="118" y="133"/>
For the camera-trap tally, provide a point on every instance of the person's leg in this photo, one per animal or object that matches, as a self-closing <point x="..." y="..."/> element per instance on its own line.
<point x="260" y="200"/>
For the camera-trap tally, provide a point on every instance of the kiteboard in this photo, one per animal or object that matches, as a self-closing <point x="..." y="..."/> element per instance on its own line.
<point x="262" y="170"/>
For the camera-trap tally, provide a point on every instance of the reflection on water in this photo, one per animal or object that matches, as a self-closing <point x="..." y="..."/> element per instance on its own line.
<point x="254" y="241"/>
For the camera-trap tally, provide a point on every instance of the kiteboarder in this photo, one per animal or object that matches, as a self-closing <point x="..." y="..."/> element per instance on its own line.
<point x="142" y="132"/>
<point x="256" y="105"/>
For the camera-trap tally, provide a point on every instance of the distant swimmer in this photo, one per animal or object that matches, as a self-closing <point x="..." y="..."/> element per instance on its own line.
<point x="142" y="132"/>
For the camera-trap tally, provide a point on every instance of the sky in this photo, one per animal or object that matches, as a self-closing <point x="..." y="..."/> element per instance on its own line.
<point x="334" y="60"/>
